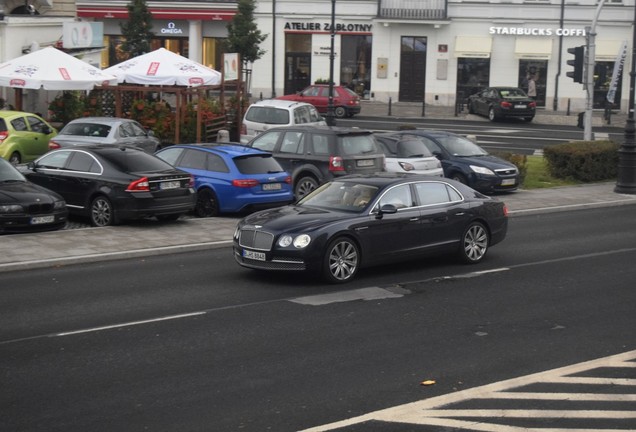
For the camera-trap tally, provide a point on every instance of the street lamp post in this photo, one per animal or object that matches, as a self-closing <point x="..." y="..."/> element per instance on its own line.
<point x="330" y="114"/>
<point x="626" y="182"/>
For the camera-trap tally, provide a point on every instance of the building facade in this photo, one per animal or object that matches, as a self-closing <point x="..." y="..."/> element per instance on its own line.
<point x="441" y="51"/>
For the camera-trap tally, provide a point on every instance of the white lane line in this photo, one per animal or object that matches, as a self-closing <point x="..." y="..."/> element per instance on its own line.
<point x="416" y="412"/>
<point x="371" y="293"/>
<point x="579" y="397"/>
<point x="525" y="414"/>
<point x="128" y="324"/>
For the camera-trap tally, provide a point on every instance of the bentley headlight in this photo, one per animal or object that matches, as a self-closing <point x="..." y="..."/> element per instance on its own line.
<point x="285" y="240"/>
<point x="481" y="170"/>
<point x="302" y="241"/>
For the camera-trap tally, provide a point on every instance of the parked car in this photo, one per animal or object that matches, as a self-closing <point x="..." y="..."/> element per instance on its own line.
<point x="266" y="114"/>
<point x="105" y="130"/>
<point x="25" y="206"/>
<point x="497" y="103"/>
<point x="346" y="102"/>
<point x="466" y="162"/>
<point x="359" y="221"/>
<point x="111" y="183"/>
<point x="231" y="178"/>
<point x="408" y="156"/>
<point x="23" y="136"/>
<point x="314" y="155"/>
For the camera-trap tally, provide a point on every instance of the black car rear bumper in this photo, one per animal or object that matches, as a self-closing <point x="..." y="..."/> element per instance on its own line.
<point x="141" y="205"/>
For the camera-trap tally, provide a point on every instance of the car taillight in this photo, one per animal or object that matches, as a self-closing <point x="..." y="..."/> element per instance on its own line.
<point x="336" y="163"/>
<point x="505" y="210"/>
<point x="140" y="185"/>
<point x="505" y="104"/>
<point x="243" y="129"/>
<point x="288" y="179"/>
<point x="245" y="183"/>
<point x="532" y="104"/>
<point x="4" y="135"/>
<point x="53" y="145"/>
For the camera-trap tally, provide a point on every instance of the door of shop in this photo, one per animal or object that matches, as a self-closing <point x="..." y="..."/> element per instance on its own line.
<point x="536" y="70"/>
<point x="412" y="69"/>
<point x="297" y="71"/>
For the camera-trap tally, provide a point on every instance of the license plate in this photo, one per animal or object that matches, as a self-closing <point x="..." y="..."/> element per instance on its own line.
<point x="521" y="106"/>
<point x="365" y="163"/>
<point x="271" y="186"/>
<point x="258" y="256"/>
<point x="170" y="185"/>
<point x="508" y="182"/>
<point x="42" y="220"/>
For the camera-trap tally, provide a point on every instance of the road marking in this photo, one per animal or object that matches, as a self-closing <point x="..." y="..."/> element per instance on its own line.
<point x="436" y="412"/>
<point x="371" y="293"/>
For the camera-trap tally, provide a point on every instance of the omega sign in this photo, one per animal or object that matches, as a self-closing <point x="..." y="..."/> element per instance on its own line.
<point x="521" y="31"/>
<point x="171" y="29"/>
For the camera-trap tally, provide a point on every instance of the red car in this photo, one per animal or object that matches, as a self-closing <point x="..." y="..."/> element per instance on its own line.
<point x="346" y="102"/>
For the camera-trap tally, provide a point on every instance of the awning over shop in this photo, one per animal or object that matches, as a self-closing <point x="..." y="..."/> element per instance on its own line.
<point x="533" y="48"/>
<point x="607" y="50"/>
<point x="473" y="46"/>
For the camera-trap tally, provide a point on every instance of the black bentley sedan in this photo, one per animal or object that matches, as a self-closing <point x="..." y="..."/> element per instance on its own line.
<point x="110" y="183"/>
<point x="498" y="103"/>
<point x="25" y="206"/>
<point x="364" y="220"/>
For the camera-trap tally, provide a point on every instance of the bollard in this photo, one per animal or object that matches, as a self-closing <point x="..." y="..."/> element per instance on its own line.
<point x="223" y="136"/>
<point x="473" y="138"/>
<point x="423" y="108"/>
<point x="389" y="107"/>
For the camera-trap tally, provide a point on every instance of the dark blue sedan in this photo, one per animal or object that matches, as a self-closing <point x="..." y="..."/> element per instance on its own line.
<point x="466" y="162"/>
<point x="231" y="178"/>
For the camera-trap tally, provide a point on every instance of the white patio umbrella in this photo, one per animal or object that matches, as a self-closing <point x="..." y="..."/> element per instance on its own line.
<point x="52" y="69"/>
<point x="163" y="67"/>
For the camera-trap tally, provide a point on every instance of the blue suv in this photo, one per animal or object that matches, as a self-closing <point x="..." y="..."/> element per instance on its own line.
<point x="231" y="178"/>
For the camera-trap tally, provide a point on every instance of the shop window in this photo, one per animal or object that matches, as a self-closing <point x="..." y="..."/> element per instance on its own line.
<point x="473" y="75"/>
<point x="355" y="63"/>
<point x="536" y="70"/>
<point x="603" y="72"/>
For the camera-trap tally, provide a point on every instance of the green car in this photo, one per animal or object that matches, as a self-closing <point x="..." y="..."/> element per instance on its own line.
<point x="23" y="136"/>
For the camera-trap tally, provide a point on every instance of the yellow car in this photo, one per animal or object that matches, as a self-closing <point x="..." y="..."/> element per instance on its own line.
<point x="23" y="136"/>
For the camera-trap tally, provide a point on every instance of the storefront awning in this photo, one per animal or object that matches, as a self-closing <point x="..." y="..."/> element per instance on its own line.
<point x="607" y="50"/>
<point x="533" y="48"/>
<point x="473" y="46"/>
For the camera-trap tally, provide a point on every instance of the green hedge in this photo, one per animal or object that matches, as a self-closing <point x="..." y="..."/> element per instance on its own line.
<point x="586" y="161"/>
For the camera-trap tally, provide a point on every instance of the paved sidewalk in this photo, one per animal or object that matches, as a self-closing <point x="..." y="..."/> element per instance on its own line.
<point x="147" y="238"/>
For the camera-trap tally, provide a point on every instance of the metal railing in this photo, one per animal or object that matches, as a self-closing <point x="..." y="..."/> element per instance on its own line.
<point x="413" y="9"/>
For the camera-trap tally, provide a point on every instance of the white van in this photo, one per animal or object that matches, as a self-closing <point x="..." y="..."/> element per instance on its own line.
<point x="265" y="114"/>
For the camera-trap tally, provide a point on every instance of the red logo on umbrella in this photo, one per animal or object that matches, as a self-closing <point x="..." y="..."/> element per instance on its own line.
<point x="152" y="70"/>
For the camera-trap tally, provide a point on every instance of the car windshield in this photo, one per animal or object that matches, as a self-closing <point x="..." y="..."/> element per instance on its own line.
<point x="86" y="129"/>
<point x="341" y="196"/>
<point x="8" y="173"/>
<point x="412" y="148"/>
<point x="460" y="146"/>
<point x="357" y="144"/>
<point x="257" y="164"/>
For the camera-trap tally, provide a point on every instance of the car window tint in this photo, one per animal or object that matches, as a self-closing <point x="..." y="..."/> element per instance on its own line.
<point x="399" y="196"/>
<point x="453" y="194"/>
<point x="311" y="91"/>
<point x="9" y="172"/>
<point x="125" y="130"/>
<point x="216" y="163"/>
<point x="268" y="115"/>
<point x="314" y="115"/>
<point x="54" y="160"/>
<point x="341" y="196"/>
<point x="130" y="160"/>
<point x="3" y="125"/>
<point x="320" y="144"/>
<point x="170" y="155"/>
<point x="298" y="116"/>
<point x="266" y="141"/>
<point x="193" y="159"/>
<point x="324" y="92"/>
<point x="460" y="146"/>
<point x="36" y="124"/>
<point x="257" y="164"/>
<point x="357" y="144"/>
<point x="83" y="162"/>
<point x="292" y="143"/>
<point x="429" y="143"/>
<point x="19" y="124"/>
<point x="432" y="193"/>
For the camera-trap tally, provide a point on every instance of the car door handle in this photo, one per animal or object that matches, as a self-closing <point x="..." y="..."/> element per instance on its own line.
<point x="414" y="219"/>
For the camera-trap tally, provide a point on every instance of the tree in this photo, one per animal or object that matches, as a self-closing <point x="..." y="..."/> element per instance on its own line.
<point x="138" y="29"/>
<point x="243" y="35"/>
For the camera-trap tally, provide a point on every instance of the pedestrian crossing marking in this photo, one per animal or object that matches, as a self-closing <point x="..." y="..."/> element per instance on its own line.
<point x="439" y="411"/>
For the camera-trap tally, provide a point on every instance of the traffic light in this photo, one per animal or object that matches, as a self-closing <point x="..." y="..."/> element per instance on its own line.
<point x="579" y="59"/>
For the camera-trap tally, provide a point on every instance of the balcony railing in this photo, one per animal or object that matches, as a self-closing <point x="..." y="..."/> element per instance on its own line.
<point x="412" y="9"/>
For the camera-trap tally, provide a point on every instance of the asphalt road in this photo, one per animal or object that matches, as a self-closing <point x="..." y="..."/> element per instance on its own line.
<point x="192" y="342"/>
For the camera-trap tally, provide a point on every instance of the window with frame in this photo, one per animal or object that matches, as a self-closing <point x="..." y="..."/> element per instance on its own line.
<point x="292" y="143"/>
